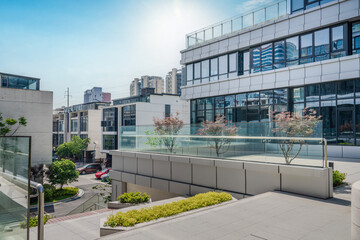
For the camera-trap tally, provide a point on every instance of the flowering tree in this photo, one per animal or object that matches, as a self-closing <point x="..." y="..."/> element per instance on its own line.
<point x="290" y="125"/>
<point x="168" y="127"/>
<point x="215" y="130"/>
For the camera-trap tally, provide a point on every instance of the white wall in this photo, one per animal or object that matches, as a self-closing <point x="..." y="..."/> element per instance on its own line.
<point x="94" y="132"/>
<point x="36" y="107"/>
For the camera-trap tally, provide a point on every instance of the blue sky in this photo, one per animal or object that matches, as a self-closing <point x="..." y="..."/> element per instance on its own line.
<point x="107" y="43"/>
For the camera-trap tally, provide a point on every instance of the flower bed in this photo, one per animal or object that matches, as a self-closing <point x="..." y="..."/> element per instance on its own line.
<point x="130" y="218"/>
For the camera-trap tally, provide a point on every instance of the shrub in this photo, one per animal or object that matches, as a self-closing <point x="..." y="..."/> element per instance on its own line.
<point x="134" y="197"/>
<point x="338" y="178"/>
<point x="65" y="192"/>
<point x="48" y="192"/>
<point x="33" y="221"/>
<point x="62" y="172"/>
<point x="132" y="217"/>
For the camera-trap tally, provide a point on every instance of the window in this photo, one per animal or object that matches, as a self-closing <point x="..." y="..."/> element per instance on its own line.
<point x="74" y="125"/>
<point x="205" y="71"/>
<point x="189" y="74"/>
<point x="109" y="142"/>
<point x="345" y="89"/>
<point x="10" y="81"/>
<point x="83" y="122"/>
<point x="246" y="62"/>
<point x="214" y="69"/>
<point x="337" y="38"/>
<point x="292" y="51"/>
<point x="328" y="91"/>
<point x="110" y="119"/>
<point x="197" y="73"/>
<point x="298" y="94"/>
<point x="266" y="57"/>
<point x="255" y="57"/>
<point x="129" y="115"/>
<point x="312" y="92"/>
<point x="223" y="67"/>
<point x="306" y="52"/>
<point x="167" y="110"/>
<point x="321" y="46"/>
<point x="279" y="54"/>
<point x="297" y="5"/>
<point x="356" y="38"/>
<point x="233" y="64"/>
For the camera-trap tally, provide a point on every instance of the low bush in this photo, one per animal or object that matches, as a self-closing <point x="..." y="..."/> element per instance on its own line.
<point x="338" y="178"/>
<point x="48" y="192"/>
<point x="134" y="197"/>
<point x="130" y="218"/>
<point x="33" y="221"/>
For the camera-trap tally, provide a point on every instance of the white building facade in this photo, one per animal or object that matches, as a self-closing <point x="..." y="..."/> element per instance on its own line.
<point x="300" y="54"/>
<point x="173" y="81"/>
<point x="155" y="82"/>
<point x="20" y="96"/>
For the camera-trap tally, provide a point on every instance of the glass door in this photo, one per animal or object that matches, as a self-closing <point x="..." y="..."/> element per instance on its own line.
<point x="346" y="126"/>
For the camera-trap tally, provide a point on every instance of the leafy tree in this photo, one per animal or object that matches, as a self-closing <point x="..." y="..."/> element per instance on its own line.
<point x="292" y="125"/>
<point x="9" y="126"/>
<point x="62" y="172"/>
<point x="73" y="149"/>
<point x="167" y="127"/>
<point x="152" y="141"/>
<point x="217" y="131"/>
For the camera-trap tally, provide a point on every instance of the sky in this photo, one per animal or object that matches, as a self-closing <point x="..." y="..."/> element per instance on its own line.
<point x="105" y="43"/>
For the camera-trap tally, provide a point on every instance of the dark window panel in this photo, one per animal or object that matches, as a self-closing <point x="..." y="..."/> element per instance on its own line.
<point x="345" y="89"/>
<point x="312" y="92"/>
<point x="328" y="91"/>
<point x="328" y="113"/>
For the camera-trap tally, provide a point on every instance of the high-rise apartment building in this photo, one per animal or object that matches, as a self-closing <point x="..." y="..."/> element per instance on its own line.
<point x="96" y="95"/>
<point x="146" y="82"/>
<point x="287" y="56"/>
<point x="173" y="81"/>
<point x="20" y="96"/>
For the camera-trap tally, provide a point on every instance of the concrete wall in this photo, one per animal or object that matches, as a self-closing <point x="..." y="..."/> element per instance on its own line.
<point x="355" y="211"/>
<point x="94" y="132"/>
<point x="36" y="107"/>
<point x="185" y="175"/>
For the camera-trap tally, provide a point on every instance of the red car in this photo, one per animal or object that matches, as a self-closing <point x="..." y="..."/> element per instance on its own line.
<point x="99" y="174"/>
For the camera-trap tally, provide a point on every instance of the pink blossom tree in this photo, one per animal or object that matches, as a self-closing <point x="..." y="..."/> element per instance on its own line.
<point x="294" y="125"/>
<point x="168" y="127"/>
<point x="215" y="130"/>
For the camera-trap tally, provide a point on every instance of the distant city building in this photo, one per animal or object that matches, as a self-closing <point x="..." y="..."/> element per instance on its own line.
<point x="96" y="95"/>
<point x="147" y="82"/>
<point x="173" y="81"/>
<point x="81" y="120"/>
<point x="20" y="96"/>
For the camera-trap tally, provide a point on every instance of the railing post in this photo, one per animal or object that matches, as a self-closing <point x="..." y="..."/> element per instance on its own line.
<point x="40" y="190"/>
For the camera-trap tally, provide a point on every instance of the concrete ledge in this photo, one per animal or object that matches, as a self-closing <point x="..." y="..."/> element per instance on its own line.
<point x="160" y="184"/>
<point x="128" y="154"/>
<point x="116" y="175"/>
<point x="261" y="167"/>
<point x="303" y="171"/>
<point x="115" y="153"/>
<point x="203" y="161"/>
<point x="128" y="177"/>
<point x="160" y="157"/>
<point x="143" y="155"/>
<point x="179" y="159"/>
<point x="229" y="164"/>
<point x="143" y="181"/>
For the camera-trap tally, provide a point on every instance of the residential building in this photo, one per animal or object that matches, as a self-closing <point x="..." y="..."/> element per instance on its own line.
<point x="96" y="95"/>
<point x="20" y="96"/>
<point x="81" y="120"/>
<point x="147" y="82"/>
<point x="281" y="58"/>
<point x="173" y="81"/>
<point x="125" y="113"/>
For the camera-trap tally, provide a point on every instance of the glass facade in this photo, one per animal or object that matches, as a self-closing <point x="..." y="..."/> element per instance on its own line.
<point x="337" y="102"/>
<point x="110" y="120"/>
<point x="299" y="5"/>
<point x="74" y="125"/>
<point x="355" y="37"/>
<point x="13" y="81"/>
<point x="83" y="122"/>
<point x="109" y="142"/>
<point x="310" y="47"/>
<point x="128" y="115"/>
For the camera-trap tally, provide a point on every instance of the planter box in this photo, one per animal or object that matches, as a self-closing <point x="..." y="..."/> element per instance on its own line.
<point x="119" y="205"/>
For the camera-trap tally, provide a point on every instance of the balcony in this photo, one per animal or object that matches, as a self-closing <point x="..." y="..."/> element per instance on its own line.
<point x="269" y="12"/>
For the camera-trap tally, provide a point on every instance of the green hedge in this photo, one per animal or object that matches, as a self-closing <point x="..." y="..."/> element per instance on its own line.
<point x="33" y="221"/>
<point x="130" y="218"/>
<point x="338" y="178"/>
<point x="134" y="197"/>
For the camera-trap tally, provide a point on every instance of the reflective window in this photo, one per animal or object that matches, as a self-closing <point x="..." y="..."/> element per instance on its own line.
<point x="219" y="102"/>
<point x="297" y="5"/>
<point x="223" y="66"/>
<point x="328" y="91"/>
<point x="298" y="94"/>
<point x="357" y="88"/>
<point x="233" y="62"/>
<point x="205" y="70"/>
<point x="279" y="52"/>
<point x="189" y="73"/>
<point x="266" y="97"/>
<point x="266" y="56"/>
<point x="357" y="123"/>
<point x="345" y="89"/>
<point x="230" y="101"/>
<point x="306" y="45"/>
<point x="10" y="81"/>
<point x="322" y="46"/>
<point x="356" y="37"/>
<point x="337" y="38"/>
<point x="328" y="113"/>
<point x="246" y="60"/>
<point x="292" y="48"/>
<point x="214" y="69"/>
<point x="298" y="108"/>
<point x="253" y="98"/>
<point x="255" y="59"/>
<point x="197" y="70"/>
<point x="281" y="96"/>
<point x="312" y="92"/>
<point x="240" y="100"/>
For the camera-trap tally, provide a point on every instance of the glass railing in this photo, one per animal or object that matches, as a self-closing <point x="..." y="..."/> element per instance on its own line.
<point x="255" y="142"/>
<point x="14" y="186"/>
<point x="268" y="12"/>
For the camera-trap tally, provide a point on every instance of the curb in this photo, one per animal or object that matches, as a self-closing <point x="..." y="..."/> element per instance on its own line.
<point x="77" y="196"/>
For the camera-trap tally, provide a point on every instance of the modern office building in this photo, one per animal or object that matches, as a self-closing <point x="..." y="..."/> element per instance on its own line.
<point x="81" y="120"/>
<point x="173" y="81"/>
<point x="285" y="56"/>
<point x="96" y="95"/>
<point x="146" y="82"/>
<point x="20" y="96"/>
<point x="125" y="113"/>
